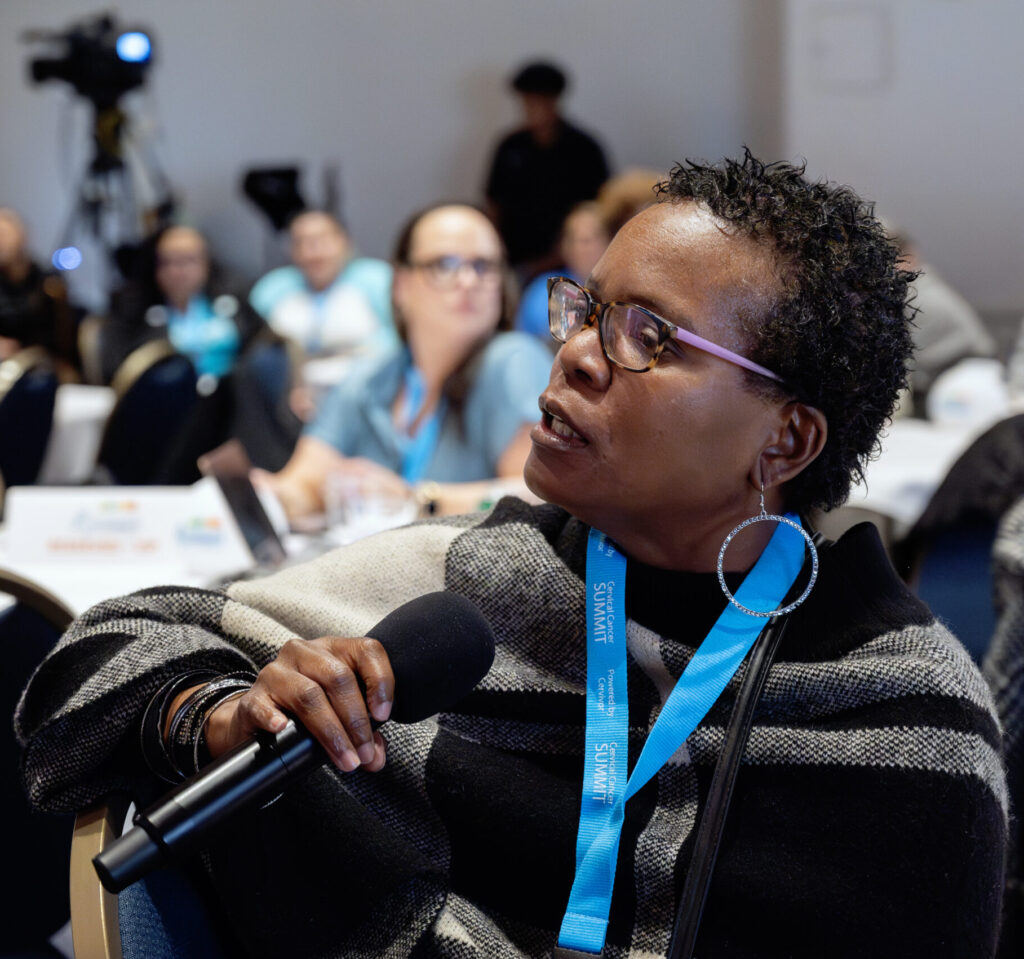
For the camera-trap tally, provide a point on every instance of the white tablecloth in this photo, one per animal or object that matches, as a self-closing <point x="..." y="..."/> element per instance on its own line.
<point x="78" y="420"/>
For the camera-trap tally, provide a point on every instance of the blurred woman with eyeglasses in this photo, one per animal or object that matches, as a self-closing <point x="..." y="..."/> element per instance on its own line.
<point x="448" y="413"/>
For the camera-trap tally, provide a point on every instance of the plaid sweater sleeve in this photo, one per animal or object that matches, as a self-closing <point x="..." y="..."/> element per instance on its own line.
<point x="92" y="689"/>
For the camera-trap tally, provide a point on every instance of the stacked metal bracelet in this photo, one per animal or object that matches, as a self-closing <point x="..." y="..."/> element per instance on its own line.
<point x="184" y="751"/>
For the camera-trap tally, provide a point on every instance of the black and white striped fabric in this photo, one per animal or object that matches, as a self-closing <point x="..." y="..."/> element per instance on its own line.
<point x="1004" y="670"/>
<point x="869" y="816"/>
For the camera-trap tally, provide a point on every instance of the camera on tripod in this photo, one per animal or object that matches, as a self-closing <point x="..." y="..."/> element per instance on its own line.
<point x="122" y="194"/>
<point x="101" y="61"/>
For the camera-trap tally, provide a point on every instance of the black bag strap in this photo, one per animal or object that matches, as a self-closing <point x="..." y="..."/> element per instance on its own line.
<point x="712" y="820"/>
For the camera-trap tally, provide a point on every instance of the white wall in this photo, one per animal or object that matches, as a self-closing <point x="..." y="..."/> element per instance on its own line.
<point x="917" y="104"/>
<point x="407" y="95"/>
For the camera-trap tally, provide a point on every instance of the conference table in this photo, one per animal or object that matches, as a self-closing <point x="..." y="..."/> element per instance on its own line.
<point x="86" y="544"/>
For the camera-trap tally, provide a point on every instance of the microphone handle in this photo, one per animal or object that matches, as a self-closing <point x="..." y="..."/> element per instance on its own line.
<point x="253" y="773"/>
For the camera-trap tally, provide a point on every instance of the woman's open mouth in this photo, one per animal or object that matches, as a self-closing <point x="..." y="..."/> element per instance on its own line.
<point x="560" y="427"/>
<point x="555" y="431"/>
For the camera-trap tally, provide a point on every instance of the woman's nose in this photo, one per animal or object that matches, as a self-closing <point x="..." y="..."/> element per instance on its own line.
<point x="583" y="358"/>
<point x="466" y="276"/>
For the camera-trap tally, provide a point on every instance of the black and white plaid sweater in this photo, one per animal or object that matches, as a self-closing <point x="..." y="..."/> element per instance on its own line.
<point x="869" y="816"/>
<point x="1004" y="669"/>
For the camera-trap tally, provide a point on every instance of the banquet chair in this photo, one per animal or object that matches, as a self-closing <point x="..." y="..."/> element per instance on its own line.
<point x="155" y="388"/>
<point x="92" y="348"/>
<point x="262" y="383"/>
<point x="162" y="916"/>
<point x="34" y="905"/>
<point x="954" y="578"/>
<point x="28" y="392"/>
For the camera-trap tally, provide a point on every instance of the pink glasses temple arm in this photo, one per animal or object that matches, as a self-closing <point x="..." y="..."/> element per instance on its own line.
<point x="722" y="353"/>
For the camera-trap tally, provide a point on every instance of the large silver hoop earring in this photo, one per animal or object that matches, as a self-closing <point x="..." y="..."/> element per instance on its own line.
<point x="762" y="517"/>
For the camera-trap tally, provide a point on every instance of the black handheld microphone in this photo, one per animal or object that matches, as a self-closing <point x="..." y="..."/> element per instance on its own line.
<point x="440" y="646"/>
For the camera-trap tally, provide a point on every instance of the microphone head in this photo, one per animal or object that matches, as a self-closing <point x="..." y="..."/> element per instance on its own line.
<point x="440" y="647"/>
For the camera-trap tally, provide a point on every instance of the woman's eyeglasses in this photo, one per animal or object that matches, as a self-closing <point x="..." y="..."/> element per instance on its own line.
<point x="444" y="271"/>
<point x="631" y="337"/>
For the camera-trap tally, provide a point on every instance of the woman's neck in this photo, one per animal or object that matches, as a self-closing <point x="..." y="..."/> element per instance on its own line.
<point x="434" y="372"/>
<point x="691" y="548"/>
<point x="436" y="361"/>
<point x="690" y="541"/>
<point x="680" y="606"/>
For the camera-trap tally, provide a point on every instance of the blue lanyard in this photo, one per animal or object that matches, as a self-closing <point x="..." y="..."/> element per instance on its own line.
<point x="606" y="785"/>
<point x="418" y="450"/>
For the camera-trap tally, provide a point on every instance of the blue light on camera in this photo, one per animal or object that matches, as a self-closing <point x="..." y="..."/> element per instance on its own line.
<point x="67" y="258"/>
<point x="133" y="47"/>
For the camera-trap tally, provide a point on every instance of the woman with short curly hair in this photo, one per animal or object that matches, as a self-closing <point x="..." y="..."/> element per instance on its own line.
<point x="651" y="767"/>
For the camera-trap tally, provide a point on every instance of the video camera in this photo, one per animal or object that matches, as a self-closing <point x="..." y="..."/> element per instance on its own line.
<point x="100" y="60"/>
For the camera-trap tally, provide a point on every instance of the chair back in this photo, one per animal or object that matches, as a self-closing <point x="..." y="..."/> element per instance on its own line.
<point x="28" y="393"/>
<point x="160" y="917"/>
<point x="92" y="348"/>
<point x="262" y="419"/>
<point x="35" y="902"/>
<point x="946" y="556"/>
<point x="95" y="925"/>
<point x="156" y="392"/>
<point x="954" y="577"/>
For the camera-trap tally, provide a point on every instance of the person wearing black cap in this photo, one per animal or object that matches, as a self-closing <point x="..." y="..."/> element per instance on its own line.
<point x="540" y="171"/>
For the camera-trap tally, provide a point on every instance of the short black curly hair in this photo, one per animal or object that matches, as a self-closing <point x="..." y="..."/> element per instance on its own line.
<point x="839" y="332"/>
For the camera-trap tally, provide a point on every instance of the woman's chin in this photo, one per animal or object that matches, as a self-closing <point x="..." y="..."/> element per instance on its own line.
<point x="544" y="483"/>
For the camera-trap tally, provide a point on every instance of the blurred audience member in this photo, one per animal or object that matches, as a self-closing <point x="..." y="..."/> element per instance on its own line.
<point x="540" y="171"/>
<point x="946" y="328"/>
<point x="584" y="238"/>
<point x="626" y="194"/>
<point x="34" y="307"/>
<point x="178" y="293"/>
<point x="454" y="404"/>
<point x="328" y="301"/>
<point x="203" y="331"/>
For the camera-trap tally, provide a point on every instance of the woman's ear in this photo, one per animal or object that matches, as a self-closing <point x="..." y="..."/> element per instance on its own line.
<point x="799" y="439"/>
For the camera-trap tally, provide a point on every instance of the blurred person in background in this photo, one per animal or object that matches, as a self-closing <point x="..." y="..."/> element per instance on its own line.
<point x="451" y="408"/>
<point x="207" y="332"/>
<point x="585" y="236"/>
<point x="329" y="301"/>
<point x="178" y="293"/>
<point x="34" y="308"/>
<point x="244" y="377"/>
<point x="624" y="195"/>
<point x="946" y="327"/>
<point x="541" y="171"/>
